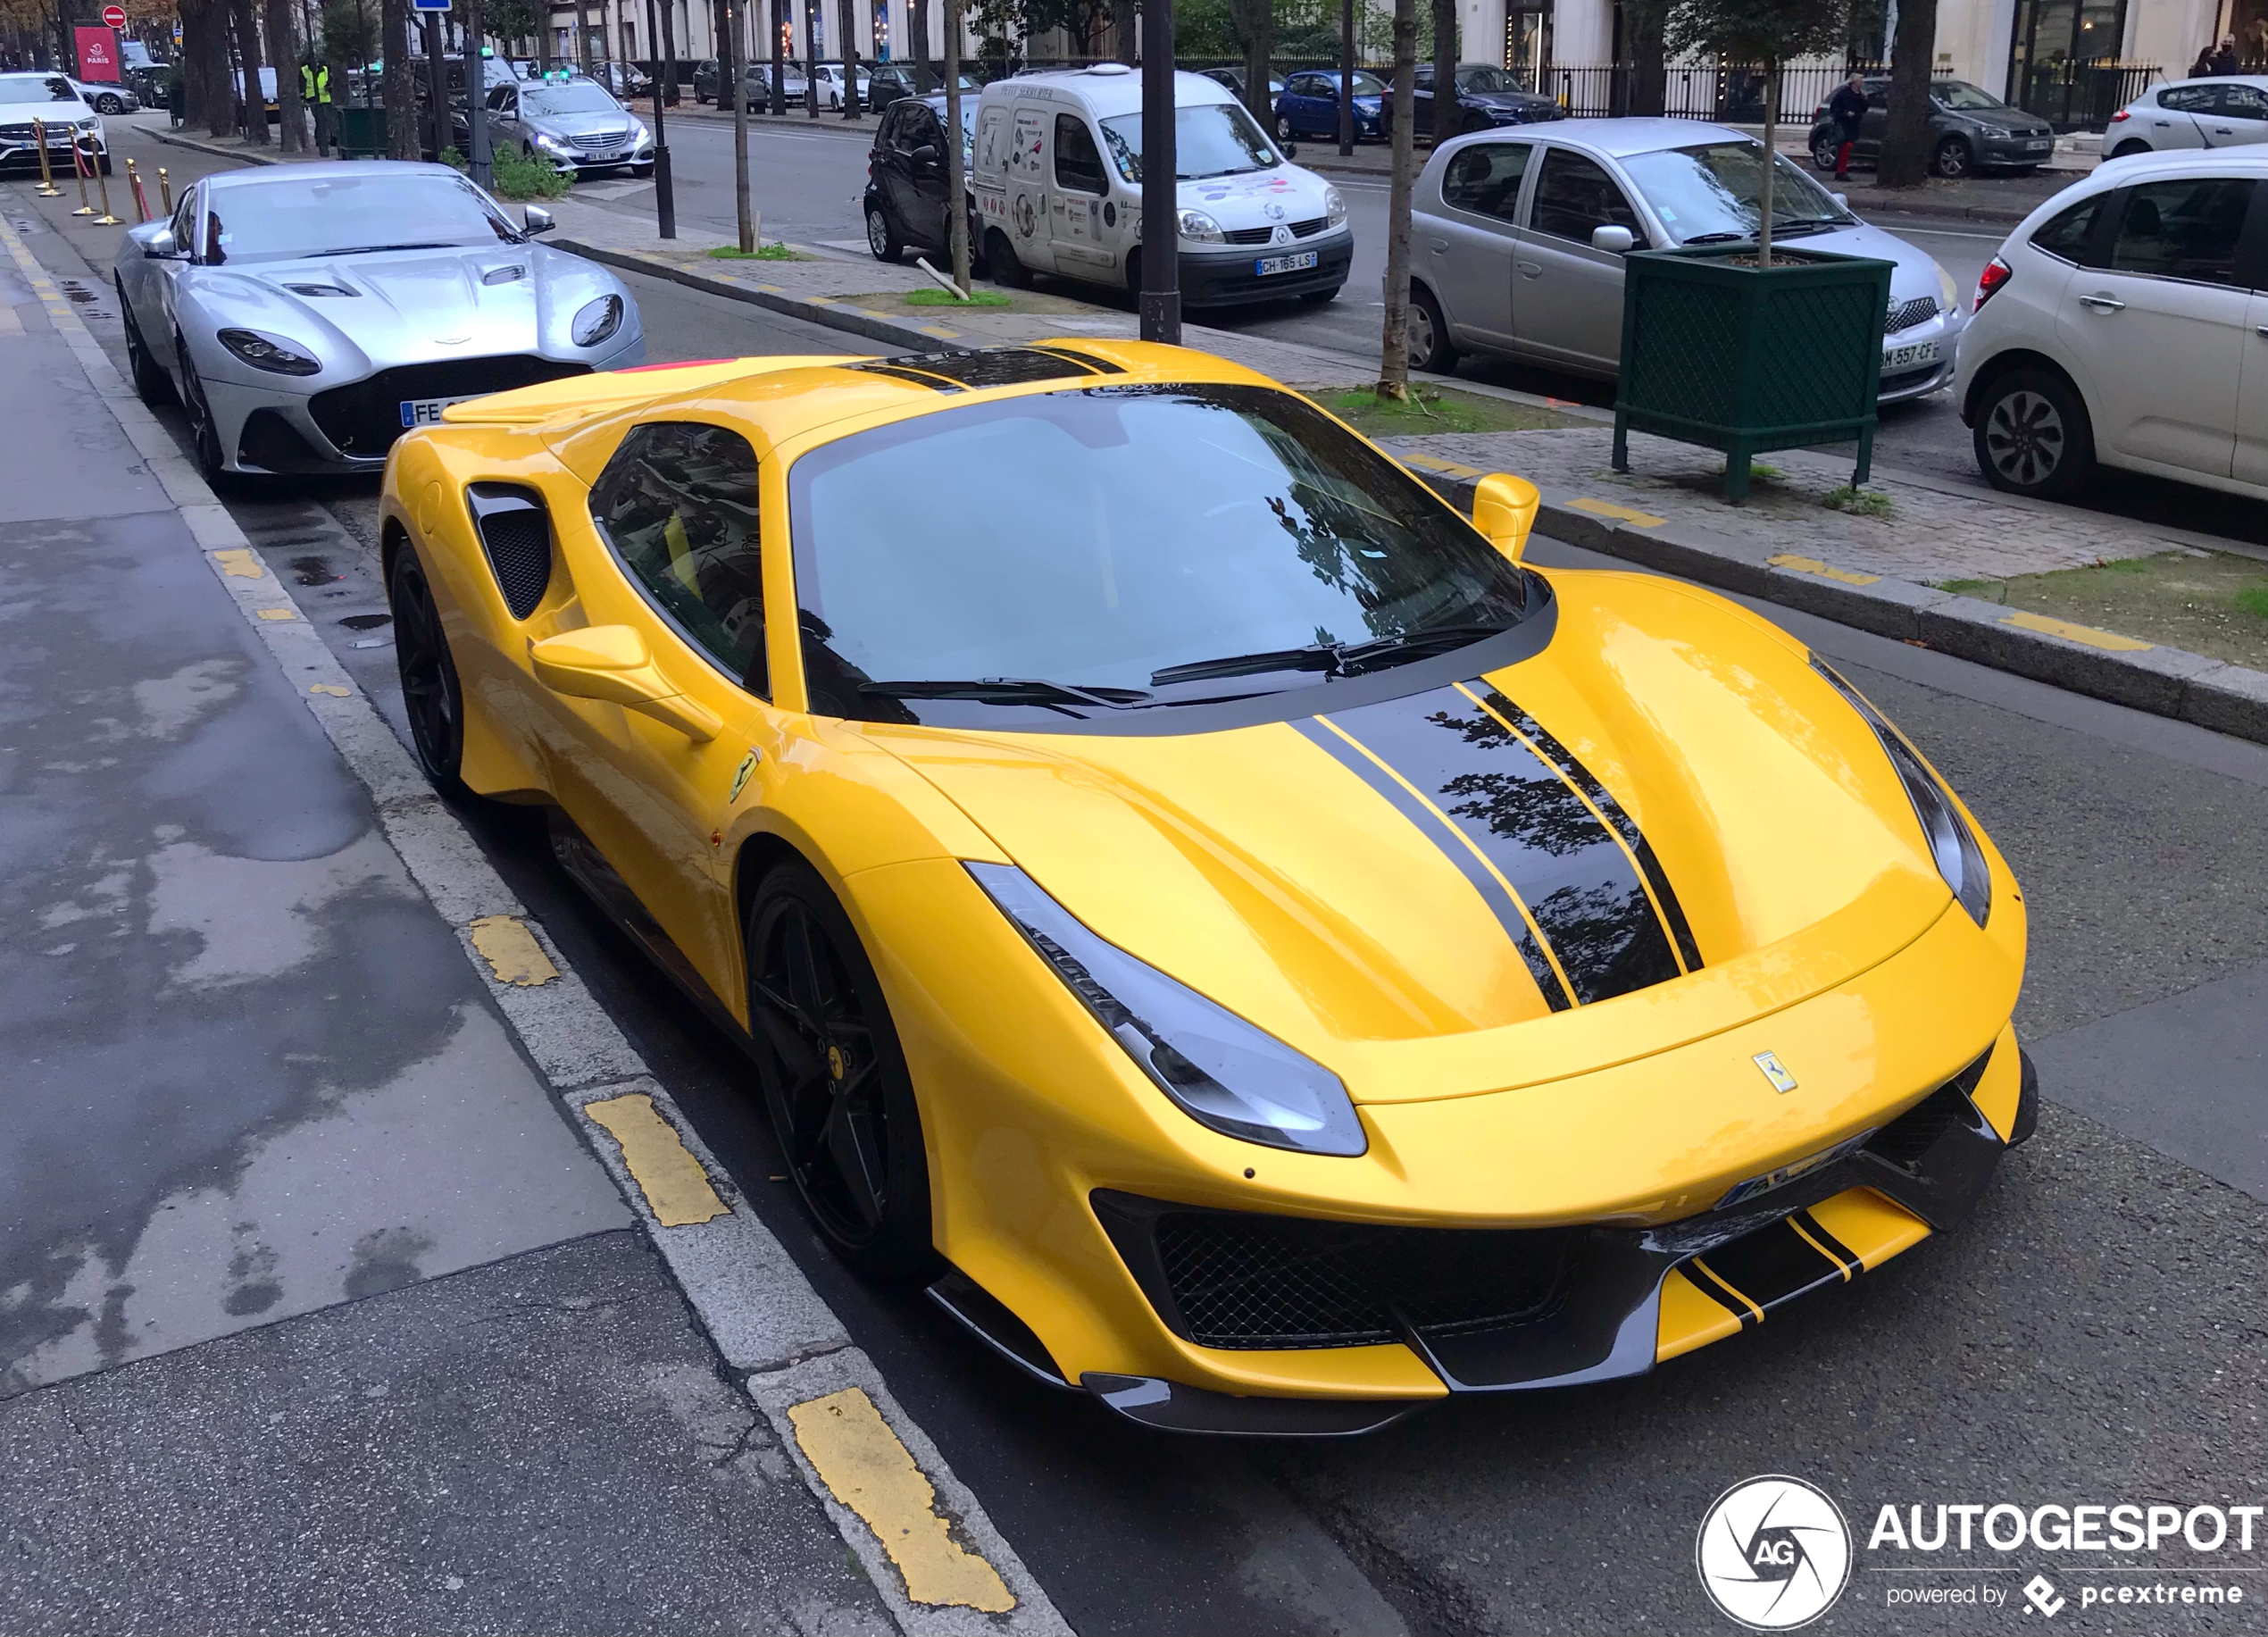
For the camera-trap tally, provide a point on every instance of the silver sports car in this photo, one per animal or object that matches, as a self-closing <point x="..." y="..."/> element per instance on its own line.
<point x="307" y="315"/>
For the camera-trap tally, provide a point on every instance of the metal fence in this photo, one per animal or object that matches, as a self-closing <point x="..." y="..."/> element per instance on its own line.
<point x="2082" y="95"/>
<point x="1732" y="93"/>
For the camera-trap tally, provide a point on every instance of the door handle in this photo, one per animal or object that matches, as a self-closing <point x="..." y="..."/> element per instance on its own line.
<point x="1529" y="270"/>
<point x="1436" y="245"/>
<point x="2106" y="304"/>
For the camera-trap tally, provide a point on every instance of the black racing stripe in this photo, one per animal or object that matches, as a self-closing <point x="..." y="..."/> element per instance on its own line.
<point x="1490" y="889"/>
<point x="1587" y="899"/>
<point x="1625" y="824"/>
<point x="918" y="377"/>
<point x="1835" y="1248"/>
<point x="1772" y="1266"/>
<point x="1702" y="1278"/>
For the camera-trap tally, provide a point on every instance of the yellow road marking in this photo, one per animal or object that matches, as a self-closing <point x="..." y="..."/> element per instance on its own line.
<point x="1446" y="468"/>
<point x="239" y="565"/>
<point x="279" y="614"/>
<point x="511" y="952"/>
<point x="674" y="1185"/>
<point x="949" y="335"/>
<point x="332" y="688"/>
<point x="866" y="1468"/>
<point x="2070" y="632"/>
<point x="1627" y="514"/>
<point x="1825" y="571"/>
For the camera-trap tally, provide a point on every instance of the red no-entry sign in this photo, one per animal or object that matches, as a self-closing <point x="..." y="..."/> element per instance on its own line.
<point x="114" y="16"/>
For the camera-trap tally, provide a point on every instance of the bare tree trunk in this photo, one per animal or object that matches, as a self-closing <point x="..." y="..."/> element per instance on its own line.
<point x="1445" y="123"/>
<point x="255" y="100"/>
<point x="1771" y="165"/>
<point x="1253" y="23"/>
<point x="775" y="98"/>
<point x="956" y="182"/>
<point x="1905" y="160"/>
<point x="400" y="96"/>
<point x="437" y="85"/>
<point x="220" y="97"/>
<point x="582" y="36"/>
<point x="1650" y="75"/>
<point x="1394" y="366"/>
<point x="291" y="131"/>
<point x="739" y="67"/>
<point x="197" y="90"/>
<point x="847" y="13"/>
<point x="1127" y="26"/>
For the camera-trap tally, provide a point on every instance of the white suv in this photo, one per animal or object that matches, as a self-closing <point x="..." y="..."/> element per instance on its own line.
<point x="2126" y="322"/>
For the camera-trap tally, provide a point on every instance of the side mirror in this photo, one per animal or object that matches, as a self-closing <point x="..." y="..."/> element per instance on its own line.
<point x="536" y="218"/>
<point x="1504" y="508"/>
<point x="1842" y="200"/>
<point x="610" y="663"/>
<point x="926" y="154"/>
<point x="157" y="241"/>
<point x="1615" y="241"/>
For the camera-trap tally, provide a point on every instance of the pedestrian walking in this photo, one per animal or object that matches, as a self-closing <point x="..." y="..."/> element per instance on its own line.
<point x="1847" y="109"/>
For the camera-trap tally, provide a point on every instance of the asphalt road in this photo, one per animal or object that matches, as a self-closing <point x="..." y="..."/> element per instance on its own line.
<point x="2096" y="1333"/>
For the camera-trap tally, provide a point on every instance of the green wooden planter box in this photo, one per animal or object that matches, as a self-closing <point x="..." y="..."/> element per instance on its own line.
<point x="1746" y="359"/>
<point x="362" y="133"/>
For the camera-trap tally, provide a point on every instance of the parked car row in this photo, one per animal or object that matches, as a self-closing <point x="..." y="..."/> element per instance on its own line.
<point x="52" y="102"/>
<point x="1970" y="131"/>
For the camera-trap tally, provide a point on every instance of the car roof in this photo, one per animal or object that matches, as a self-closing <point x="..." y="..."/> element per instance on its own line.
<point x="2259" y="82"/>
<point x="2244" y="161"/>
<point x="1623" y="137"/>
<point x="1107" y="88"/>
<point x="253" y="178"/>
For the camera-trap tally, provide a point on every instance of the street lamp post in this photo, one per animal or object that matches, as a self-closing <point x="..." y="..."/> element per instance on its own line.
<point x="1161" y="195"/>
<point x="476" y="100"/>
<point x="664" y="197"/>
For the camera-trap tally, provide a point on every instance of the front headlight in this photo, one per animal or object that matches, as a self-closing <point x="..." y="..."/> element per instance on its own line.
<point x="1334" y="207"/>
<point x="639" y="133"/>
<point x="598" y="320"/>
<point x="1948" y="292"/>
<point x="1217" y="1068"/>
<point x="550" y="144"/>
<point x="88" y="124"/>
<point x="1959" y="859"/>
<point x="269" y="352"/>
<point x="1201" y="228"/>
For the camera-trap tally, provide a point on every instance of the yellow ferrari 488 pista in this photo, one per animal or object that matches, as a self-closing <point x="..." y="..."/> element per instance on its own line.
<point x="1259" y="950"/>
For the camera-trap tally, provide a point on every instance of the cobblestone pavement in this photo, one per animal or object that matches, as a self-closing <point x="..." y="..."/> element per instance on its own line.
<point x="1934" y="533"/>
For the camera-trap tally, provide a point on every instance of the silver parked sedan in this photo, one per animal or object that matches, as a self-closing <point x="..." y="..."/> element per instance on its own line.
<point x="307" y="315"/>
<point x="575" y="123"/>
<point x="1518" y="239"/>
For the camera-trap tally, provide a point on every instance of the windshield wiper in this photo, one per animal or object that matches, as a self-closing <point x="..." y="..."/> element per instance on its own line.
<point x="1008" y="690"/>
<point x="1337" y="658"/>
<point x="1807" y="224"/>
<point x="1716" y="239"/>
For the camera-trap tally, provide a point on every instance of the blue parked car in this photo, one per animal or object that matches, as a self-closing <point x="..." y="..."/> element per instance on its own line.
<point x="1309" y="105"/>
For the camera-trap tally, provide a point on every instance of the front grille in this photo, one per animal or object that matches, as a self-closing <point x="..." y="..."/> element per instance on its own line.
<point x="1921" y="310"/>
<point x="1309" y="228"/>
<point x="1250" y="1281"/>
<point x="1913" y="1134"/>
<point x="364" y="419"/>
<point x="1248" y="236"/>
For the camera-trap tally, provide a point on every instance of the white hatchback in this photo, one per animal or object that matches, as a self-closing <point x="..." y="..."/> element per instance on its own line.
<point x="2226" y="112"/>
<point x="2125" y="322"/>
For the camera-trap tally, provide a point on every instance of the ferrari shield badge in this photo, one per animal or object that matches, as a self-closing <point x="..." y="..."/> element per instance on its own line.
<point x="1775" y="1071"/>
<point x="748" y="765"/>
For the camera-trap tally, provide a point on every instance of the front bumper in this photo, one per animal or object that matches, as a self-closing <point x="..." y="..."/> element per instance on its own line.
<point x="2016" y="150"/>
<point x="1230" y="278"/>
<point x="1901" y="384"/>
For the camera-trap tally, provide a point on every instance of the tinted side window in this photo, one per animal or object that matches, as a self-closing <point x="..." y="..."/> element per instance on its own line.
<point x="678" y="503"/>
<point x="1486" y="179"/>
<point x="1574" y="196"/>
<point x="2187" y="98"/>
<point x="1079" y="163"/>
<point x="2065" y="235"/>
<point x="921" y="129"/>
<point x="2241" y="102"/>
<point x="2183" y="229"/>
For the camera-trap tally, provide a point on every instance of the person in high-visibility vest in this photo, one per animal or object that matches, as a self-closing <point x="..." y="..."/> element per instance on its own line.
<point x="314" y="81"/>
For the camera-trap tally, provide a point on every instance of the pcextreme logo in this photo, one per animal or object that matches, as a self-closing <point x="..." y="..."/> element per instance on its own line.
<point x="1773" y="1553"/>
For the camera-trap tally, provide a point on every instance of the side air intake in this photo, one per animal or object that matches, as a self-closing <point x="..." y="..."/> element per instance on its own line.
<point x="516" y="531"/>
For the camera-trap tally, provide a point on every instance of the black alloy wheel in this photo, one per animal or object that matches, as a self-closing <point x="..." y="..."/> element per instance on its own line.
<point x="1430" y="349"/>
<point x="834" y="1078"/>
<point x="879" y="238"/>
<point x="204" y="436"/>
<point x="1953" y="157"/>
<point x="2033" y="435"/>
<point x="151" y="383"/>
<point x="432" y="696"/>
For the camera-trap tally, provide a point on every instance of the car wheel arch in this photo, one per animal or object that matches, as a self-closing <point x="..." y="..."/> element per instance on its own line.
<point x="2000" y="365"/>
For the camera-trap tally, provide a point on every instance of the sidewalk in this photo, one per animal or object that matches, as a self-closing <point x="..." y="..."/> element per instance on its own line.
<point x="332" y="1295"/>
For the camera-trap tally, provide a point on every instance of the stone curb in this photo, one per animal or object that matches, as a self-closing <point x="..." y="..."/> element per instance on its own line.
<point x="2164" y="681"/>
<point x="833" y="313"/>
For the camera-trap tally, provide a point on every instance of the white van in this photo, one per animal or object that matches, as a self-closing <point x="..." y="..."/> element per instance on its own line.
<point x="1058" y="185"/>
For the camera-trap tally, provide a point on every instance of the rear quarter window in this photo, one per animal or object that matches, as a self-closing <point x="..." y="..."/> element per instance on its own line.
<point x="2065" y="236"/>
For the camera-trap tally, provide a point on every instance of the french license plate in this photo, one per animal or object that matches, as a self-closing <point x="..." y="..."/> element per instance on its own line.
<point x="1907" y="356"/>
<point x="1770" y="1180"/>
<point x="427" y="412"/>
<point x="2038" y="147"/>
<point x="1300" y="262"/>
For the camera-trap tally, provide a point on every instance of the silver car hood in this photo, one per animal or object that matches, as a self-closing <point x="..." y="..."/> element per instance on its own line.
<point x="1916" y="272"/>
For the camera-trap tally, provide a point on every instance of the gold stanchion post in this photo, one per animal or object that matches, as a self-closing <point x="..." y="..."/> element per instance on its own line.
<point x="101" y="184"/>
<point x="165" y="192"/>
<point x="141" y="200"/>
<point x="47" y="189"/>
<point x="79" y="168"/>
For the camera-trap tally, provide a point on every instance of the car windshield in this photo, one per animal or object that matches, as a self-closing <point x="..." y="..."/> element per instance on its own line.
<point x="356" y="208"/>
<point x="1962" y="97"/>
<point x="1487" y="79"/>
<point x="1366" y="85"/>
<point x="36" y="89"/>
<point x="1210" y="139"/>
<point x="1710" y="192"/>
<point x="1149" y="527"/>
<point x="575" y="97"/>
